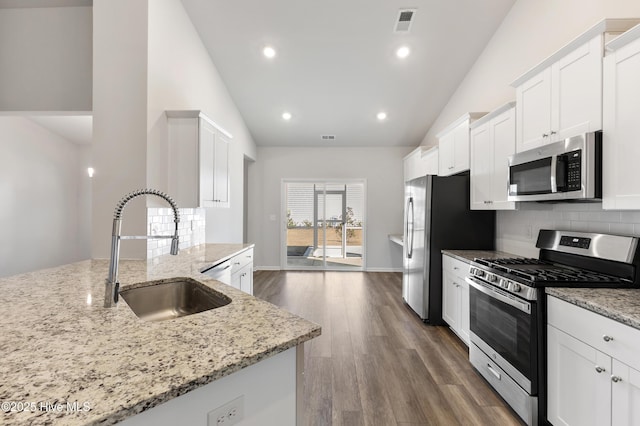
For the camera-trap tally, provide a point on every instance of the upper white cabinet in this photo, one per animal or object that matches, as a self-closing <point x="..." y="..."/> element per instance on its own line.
<point x="621" y="124"/>
<point x="493" y="139"/>
<point x="198" y="160"/>
<point x="453" y="144"/>
<point x="421" y="162"/>
<point x="562" y="96"/>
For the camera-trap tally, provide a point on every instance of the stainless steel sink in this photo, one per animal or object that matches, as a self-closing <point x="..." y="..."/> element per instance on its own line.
<point x="164" y="300"/>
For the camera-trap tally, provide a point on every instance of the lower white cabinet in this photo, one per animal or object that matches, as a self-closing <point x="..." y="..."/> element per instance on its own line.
<point x="593" y="364"/>
<point x="242" y="271"/>
<point x="455" y="296"/>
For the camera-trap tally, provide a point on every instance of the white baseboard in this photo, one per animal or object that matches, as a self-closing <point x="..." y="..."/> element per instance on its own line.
<point x="266" y="268"/>
<point x="277" y="268"/>
<point x="383" y="270"/>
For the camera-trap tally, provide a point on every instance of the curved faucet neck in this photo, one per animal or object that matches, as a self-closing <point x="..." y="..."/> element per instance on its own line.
<point x="112" y="285"/>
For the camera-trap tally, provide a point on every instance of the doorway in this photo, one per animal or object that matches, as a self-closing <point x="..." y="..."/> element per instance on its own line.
<point x="325" y="225"/>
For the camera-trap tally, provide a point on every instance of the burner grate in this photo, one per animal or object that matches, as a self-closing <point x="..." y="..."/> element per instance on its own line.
<point x="543" y="272"/>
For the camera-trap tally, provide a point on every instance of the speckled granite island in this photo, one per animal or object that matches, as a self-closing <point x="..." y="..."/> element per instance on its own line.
<point x="60" y="347"/>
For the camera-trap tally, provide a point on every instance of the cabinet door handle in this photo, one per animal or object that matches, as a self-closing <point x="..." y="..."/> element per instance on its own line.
<point x="553" y="133"/>
<point x="616" y="379"/>
<point x="455" y="268"/>
<point x="599" y="369"/>
<point x="607" y="338"/>
<point x="544" y="135"/>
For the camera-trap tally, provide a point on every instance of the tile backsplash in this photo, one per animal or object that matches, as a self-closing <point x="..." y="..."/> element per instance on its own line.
<point x="517" y="231"/>
<point x="191" y="229"/>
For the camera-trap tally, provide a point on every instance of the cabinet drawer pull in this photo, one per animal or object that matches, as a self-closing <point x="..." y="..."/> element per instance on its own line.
<point x="544" y="135"/>
<point x="494" y="372"/>
<point x="599" y="369"/>
<point x="607" y="338"/>
<point x="553" y="133"/>
<point x="616" y="379"/>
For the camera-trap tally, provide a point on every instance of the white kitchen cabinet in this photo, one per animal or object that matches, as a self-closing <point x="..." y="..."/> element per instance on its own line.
<point x="562" y="96"/>
<point x="198" y="160"/>
<point x="455" y="296"/>
<point x="493" y="140"/>
<point x="421" y="161"/>
<point x="593" y="365"/>
<point x="453" y="144"/>
<point x="242" y="271"/>
<point x="621" y="127"/>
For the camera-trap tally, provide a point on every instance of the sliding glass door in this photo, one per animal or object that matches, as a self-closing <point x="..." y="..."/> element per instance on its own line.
<point x="324" y="225"/>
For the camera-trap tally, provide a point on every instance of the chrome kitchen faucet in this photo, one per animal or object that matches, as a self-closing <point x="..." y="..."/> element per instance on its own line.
<point x="111" y="283"/>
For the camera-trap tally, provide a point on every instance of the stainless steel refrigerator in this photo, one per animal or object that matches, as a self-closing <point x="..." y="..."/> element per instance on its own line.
<point x="437" y="217"/>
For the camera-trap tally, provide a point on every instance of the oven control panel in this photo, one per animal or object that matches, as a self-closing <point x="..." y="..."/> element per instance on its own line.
<point x="503" y="283"/>
<point x="578" y="242"/>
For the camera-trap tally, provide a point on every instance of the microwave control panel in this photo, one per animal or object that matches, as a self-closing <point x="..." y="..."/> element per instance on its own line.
<point x="574" y="170"/>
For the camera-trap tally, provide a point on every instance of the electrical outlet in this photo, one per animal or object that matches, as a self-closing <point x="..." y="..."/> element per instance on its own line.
<point x="228" y="414"/>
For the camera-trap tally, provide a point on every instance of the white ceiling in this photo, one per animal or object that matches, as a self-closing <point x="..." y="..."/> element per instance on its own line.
<point x="336" y="67"/>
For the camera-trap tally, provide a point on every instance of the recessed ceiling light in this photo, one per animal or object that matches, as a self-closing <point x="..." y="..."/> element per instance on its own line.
<point x="286" y="116"/>
<point x="381" y="115"/>
<point x="403" y="52"/>
<point x="269" y="52"/>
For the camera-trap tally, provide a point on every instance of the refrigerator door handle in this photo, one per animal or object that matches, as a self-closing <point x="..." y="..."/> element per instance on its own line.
<point x="409" y="229"/>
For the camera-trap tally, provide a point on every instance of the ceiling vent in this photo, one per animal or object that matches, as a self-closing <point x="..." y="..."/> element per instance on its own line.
<point x="328" y="137"/>
<point x="404" y="21"/>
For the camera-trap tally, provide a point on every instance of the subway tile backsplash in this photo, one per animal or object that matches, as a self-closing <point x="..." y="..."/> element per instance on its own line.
<point x="517" y="230"/>
<point x="191" y="229"/>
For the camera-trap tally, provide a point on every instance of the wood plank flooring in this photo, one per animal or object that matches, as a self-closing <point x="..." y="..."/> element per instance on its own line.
<point x="376" y="362"/>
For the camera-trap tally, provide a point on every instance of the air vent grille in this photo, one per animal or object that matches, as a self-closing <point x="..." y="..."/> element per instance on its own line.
<point x="328" y="137"/>
<point x="404" y="20"/>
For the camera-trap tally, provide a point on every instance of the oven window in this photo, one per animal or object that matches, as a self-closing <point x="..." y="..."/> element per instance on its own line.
<point x="531" y="178"/>
<point x="508" y="330"/>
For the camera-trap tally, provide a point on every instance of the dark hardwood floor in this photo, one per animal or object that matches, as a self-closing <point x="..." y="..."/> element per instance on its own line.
<point x="376" y="363"/>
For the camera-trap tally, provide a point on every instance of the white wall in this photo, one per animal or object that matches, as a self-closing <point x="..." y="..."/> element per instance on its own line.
<point x="119" y="121"/>
<point x="382" y="169"/>
<point x="45" y="59"/>
<point x="44" y="188"/>
<point x="181" y="75"/>
<point x="533" y="30"/>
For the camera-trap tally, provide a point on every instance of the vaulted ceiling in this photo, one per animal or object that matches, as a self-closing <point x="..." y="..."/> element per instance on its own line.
<point x="336" y="67"/>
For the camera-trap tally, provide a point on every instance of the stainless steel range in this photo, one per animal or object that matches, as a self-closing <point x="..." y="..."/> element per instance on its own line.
<point x="507" y="313"/>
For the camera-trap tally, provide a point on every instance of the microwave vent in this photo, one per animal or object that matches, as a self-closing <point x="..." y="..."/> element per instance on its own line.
<point x="404" y="20"/>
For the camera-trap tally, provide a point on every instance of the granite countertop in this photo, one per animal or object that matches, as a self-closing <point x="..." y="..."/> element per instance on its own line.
<point x="468" y="255"/>
<point x="59" y="345"/>
<point x="620" y="304"/>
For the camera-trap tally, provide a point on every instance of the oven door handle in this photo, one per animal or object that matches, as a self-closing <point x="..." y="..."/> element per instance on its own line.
<point x="490" y="291"/>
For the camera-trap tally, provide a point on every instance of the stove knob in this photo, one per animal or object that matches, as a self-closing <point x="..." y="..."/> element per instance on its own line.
<point x="479" y="273"/>
<point x="492" y="278"/>
<point x="504" y="284"/>
<point x="515" y="287"/>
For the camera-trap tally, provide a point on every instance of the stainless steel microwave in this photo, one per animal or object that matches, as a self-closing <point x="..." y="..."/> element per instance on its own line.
<point x="567" y="170"/>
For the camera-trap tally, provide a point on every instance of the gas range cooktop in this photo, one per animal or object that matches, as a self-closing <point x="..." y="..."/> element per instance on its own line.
<point x="568" y="259"/>
<point x="541" y="273"/>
